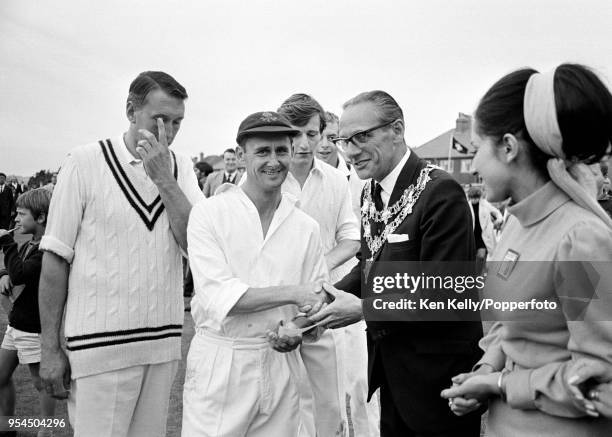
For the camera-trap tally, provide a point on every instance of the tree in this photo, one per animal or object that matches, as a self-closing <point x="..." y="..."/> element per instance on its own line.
<point x="41" y="178"/>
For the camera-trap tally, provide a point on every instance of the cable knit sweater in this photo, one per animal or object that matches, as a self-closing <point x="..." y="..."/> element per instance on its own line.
<point x="124" y="305"/>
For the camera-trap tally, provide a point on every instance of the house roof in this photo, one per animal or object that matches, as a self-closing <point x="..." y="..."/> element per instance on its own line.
<point x="438" y="147"/>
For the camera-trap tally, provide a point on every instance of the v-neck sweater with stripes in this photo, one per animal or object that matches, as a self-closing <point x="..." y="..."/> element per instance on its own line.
<point x="124" y="305"/>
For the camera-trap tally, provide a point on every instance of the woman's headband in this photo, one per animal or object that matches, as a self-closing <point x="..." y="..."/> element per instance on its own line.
<point x="541" y="114"/>
<point x="541" y="121"/>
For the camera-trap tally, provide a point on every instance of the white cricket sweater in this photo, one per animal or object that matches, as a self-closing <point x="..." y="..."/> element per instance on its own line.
<point x="125" y="303"/>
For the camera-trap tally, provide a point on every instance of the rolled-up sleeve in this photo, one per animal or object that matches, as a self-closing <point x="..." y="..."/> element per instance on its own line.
<point x="217" y="289"/>
<point x="347" y="225"/>
<point x="65" y="212"/>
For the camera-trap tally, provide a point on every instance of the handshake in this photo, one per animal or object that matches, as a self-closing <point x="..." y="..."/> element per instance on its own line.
<point x="320" y="306"/>
<point x="311" y="298"/>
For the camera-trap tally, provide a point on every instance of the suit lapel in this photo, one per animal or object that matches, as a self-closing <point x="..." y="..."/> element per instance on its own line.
<point x="407" y="176"/>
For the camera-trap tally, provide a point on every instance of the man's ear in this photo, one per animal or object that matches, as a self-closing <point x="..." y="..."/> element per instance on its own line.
<point x="510" y="147"/>
<point x="129" y="111"/>
<point x="398" y="129"/>
<point x="42" y="218"/>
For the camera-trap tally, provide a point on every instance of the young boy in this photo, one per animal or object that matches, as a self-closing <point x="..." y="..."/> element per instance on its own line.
<point x="19" y="283"/>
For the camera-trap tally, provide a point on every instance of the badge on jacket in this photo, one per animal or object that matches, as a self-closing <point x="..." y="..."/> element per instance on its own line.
<point x="507" y="265"/>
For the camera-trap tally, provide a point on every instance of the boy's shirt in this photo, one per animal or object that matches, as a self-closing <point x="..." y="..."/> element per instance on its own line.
<point x="23" y="267"/>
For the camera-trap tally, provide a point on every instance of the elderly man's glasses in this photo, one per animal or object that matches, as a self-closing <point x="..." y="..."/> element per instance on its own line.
<point x="358" y="138"/>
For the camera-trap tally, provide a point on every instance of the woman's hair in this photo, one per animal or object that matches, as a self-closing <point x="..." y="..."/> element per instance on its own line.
<point x="500" y="112"/>
<point x="584" y="112"/>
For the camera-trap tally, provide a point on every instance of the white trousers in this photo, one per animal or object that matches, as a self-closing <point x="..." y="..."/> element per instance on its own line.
<point x="238" y="387"/>
<point x="130" y="402"/>
<point x="321" y="387"/>
<point x="365" y="416"/>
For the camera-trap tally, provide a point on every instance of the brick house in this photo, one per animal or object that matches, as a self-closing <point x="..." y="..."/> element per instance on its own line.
<point x="457" y="141"/>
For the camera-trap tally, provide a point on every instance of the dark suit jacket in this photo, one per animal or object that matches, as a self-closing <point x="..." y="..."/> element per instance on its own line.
<point x="17" y="191"/>
<point x="417" y="359"/>
<point x="215" y="180"/>
<point x="7" y="206"/>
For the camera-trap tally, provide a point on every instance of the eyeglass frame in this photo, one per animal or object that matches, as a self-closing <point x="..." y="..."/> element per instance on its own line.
<point x="347" y="140"/>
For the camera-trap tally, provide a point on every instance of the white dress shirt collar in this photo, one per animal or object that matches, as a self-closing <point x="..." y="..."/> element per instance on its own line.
<point x="388" y="183"/>
<point x="343" y="166"/>
<point x="124" y="154"/>
<point x="316" y="166"/>
<point x="315" y="170"/>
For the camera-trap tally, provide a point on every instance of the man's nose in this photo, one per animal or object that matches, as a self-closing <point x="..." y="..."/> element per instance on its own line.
<point x="301" y="142"/>
<point x="273" y="160"/>
<point x="351" y="150"/>
<point x="169" y="132"/>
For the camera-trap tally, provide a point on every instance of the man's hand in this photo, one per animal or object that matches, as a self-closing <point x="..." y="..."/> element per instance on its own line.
<point x="283" y="343"/>
<point x="5" y="285"/>
<point x="55" y="373"/>
<point x="155" y="154"/>
<point x="310" y="298"/>
<point x="345" y="309"/>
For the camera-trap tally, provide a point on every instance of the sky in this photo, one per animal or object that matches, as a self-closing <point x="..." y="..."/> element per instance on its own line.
<point x="66" y="66"/>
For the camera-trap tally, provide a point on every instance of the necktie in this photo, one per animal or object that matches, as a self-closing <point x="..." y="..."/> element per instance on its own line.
<point x="377" y="227"/>
<point x="378" y="202"/>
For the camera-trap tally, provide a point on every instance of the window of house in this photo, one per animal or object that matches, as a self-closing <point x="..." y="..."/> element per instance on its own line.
<point x="446" y="165"/>
<point x="466" y="166"/>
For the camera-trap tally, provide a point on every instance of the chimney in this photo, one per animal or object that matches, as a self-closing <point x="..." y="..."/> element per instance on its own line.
<point x="463" y="123"/>
<point x="201" y="156"/>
